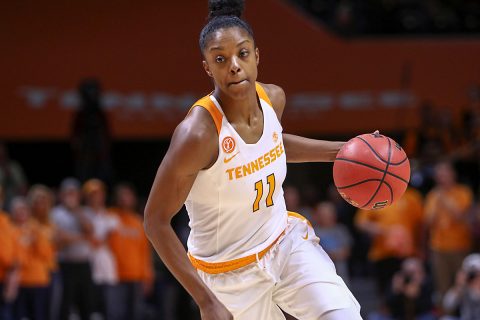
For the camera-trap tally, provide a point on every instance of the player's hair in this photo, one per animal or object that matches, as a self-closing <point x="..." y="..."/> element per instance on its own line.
<point x="223" y="14"/>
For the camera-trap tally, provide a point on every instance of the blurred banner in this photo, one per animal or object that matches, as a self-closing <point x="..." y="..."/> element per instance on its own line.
<point x="145" y="54"/>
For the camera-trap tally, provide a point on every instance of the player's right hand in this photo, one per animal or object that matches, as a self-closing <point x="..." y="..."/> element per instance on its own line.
<point x="215" y="311"/>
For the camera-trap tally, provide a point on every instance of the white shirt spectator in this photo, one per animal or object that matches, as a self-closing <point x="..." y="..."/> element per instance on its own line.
<point x="104" y="268"/>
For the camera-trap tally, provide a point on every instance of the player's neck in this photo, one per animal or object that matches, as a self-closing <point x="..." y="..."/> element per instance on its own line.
<point x="238" y="110"/>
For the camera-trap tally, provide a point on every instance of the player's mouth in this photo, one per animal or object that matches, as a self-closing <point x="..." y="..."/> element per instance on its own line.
<point x="237" y="82"/>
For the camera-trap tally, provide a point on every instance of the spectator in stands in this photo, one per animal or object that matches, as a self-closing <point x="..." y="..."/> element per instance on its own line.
<point x="334" y="237"/>
<point x="446" y="217"/>
<point x="7" y="263"/>
<point x="34" y="253"/>
<point x="435" y="134"/>
<point x="358" y="263"/>
<point x="91" y="135"/>
<point x="395" y="232"/>
<point x="476" y="225"/>
<point x="104" y="266"/>
<point x="12" y="177"/>
<point x="2" y="198"/>
<point x="467" y="153"/>
<point x="132" y="253"/>
<point x="73" y="231"/>
<point x="387" y="17"/>
<point x="170" y="299"/>
<point x="293" y="200"/>
<point x="41" y="201"/>
<point x="464" y="296"/>
<point x="411" y="292"/>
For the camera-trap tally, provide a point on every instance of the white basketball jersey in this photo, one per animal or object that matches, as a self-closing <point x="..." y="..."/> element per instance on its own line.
<point x="236" y="207"/>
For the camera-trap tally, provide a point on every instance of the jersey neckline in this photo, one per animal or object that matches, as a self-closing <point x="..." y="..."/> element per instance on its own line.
<point x="262" y="108"/>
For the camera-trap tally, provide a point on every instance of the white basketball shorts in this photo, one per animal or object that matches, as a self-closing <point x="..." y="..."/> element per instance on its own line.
<point x="296" y="275"/>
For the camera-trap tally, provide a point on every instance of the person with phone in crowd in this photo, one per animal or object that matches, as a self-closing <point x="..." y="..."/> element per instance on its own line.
<point x="463" y="298"/>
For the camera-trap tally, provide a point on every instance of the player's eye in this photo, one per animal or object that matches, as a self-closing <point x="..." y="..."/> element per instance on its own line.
<point x="244" y="53"/>
<point x="219" y="59"/>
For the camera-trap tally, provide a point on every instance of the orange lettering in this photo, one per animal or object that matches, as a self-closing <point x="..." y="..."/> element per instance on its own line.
<point x="273" y="155"/>
<point x="230" y="173"/>
<point x="260" y="162"/>
<point x="278" y="151"/>
<point x="266" y="158"/>
<point x="246" y="170"/>
<point x="238" y="172"/>
<point x="254" y="165"/>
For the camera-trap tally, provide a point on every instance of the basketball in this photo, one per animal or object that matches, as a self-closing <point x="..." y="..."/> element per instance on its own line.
<point x="371" y="171"/>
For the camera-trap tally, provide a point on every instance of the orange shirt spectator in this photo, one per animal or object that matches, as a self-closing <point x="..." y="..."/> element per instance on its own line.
<point x="395" y="233"/>
<point x="41" y="202"/>
<point x="34" y="254"/>
<point x="131" y="248"/>
<point x="132" y="252"/>
<point x="446" y="217"/>
<point x="7" y="251"/>
<point x="395" y="229"/>
<point x="446" y="212"/>
<point x="34" y="251"/>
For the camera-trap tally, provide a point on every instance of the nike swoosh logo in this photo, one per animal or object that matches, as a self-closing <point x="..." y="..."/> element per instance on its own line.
<point x="227" y="160"/>
<point x="306" y="236"/>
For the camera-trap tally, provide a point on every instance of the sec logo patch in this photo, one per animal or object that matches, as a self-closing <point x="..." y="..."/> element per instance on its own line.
<point x="275" y="137"/>
<point x="228" y="144"/>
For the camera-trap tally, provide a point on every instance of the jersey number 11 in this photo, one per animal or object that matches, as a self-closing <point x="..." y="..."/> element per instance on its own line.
<point x="259" y="189"/>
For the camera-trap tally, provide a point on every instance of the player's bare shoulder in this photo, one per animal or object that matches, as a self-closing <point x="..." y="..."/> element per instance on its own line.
<point x="196" y="138"/>
<point x="277" y="97"/>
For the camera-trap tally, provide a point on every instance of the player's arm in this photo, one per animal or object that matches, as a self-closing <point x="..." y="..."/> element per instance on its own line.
<point x="300" y="149"/>
<point x="193" y="147"/>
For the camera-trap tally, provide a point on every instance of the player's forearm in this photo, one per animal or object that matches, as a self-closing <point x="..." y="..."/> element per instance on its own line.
<point x="171" y="251"/>
<point x="300" y="149"/>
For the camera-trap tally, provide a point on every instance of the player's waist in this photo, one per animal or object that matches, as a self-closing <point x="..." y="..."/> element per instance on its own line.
<point x="230" y="265"/>
<point x="234" y="264"/>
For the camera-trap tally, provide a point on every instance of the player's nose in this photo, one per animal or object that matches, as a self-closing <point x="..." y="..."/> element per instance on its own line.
<point x="234" y="66"/>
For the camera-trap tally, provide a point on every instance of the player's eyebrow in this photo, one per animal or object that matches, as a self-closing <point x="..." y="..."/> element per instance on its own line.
<point x="215" y="48"/>
<point x="242" y="42"/>
<point x="221" y="48"/>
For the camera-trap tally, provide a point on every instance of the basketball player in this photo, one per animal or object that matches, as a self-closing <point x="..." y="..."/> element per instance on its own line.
<point x="247" y="256"/>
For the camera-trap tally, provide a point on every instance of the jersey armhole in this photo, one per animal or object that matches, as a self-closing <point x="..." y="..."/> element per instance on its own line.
<point x="208" y="105"/>
<point x="262" y="94"/>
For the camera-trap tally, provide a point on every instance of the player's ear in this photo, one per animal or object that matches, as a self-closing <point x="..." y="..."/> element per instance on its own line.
<point x="257" y="55"/>
<point x="207" y="68"/>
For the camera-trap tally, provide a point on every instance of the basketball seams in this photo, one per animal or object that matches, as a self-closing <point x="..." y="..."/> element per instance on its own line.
<point x="361" y="171"/>
<point x="371" y="167"/>
<point x="358" y="183"/>
<point x="391" y="191"/>
<point x="369" y="180"/>
<point x="384" y="174"/>
<point x="379" y="157"/>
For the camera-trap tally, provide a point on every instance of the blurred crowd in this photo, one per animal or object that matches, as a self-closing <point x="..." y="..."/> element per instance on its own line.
<point x="360" y="17"/>
<point x="78" y="250"/>
<point x="69" y="254"/>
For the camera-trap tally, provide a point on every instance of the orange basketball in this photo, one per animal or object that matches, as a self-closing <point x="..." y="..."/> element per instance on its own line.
<point x="371" y="171"/>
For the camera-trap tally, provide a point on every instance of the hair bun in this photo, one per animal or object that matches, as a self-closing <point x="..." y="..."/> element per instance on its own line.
<point x="218" y="8"/>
